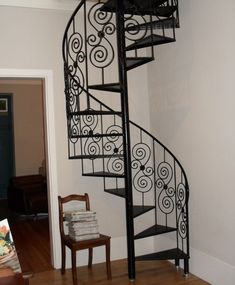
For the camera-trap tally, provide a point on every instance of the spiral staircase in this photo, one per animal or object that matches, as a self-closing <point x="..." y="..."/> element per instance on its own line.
<point x="103" y="40"/>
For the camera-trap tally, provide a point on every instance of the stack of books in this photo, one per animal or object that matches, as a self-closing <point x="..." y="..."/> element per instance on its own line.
<point x="82" y="225"/>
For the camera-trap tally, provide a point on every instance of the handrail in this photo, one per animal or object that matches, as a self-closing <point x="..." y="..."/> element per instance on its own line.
<point x="68" y="26"/>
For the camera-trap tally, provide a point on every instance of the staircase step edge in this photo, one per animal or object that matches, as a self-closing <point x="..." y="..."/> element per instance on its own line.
<point x="96" y="136"/>
<point x="141" y="61"/>
<point x="169" y="254"/>
<point x="140" y="210"/>
<point x="111" y="87"/>
<point x="152" y="25"/>
<point x="141" y="44"/>
<point x="154" y="230"/>
<point x="107" y="7"/>
<point x="93" y="112"/>
<point x="96" y="156"/>
<point x="117" y="192"/>
<point x="103" y="174"/>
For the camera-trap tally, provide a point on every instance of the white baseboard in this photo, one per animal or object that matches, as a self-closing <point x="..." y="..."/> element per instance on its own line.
<point x="206" y="267"/>
<point x="118" y="251"/>
<point x="211" y="269"/>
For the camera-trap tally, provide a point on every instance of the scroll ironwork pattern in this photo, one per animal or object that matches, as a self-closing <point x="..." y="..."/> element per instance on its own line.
<point x="135" y="29"/>
<point x="114" y="144"/>
<point x="166" y="195"/>
<point x="101" y="54"/>
<point x="88" y="127"/>
<point x="76" y="56"/>
<point x="142" y="171"/>
<point x="181" y="206"/>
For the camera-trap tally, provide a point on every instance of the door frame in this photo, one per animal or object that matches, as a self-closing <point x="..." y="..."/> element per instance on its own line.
<point x="50" y="142"/>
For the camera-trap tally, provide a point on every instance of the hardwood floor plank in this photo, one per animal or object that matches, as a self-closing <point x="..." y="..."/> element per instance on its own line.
<point x="148" y="273"/>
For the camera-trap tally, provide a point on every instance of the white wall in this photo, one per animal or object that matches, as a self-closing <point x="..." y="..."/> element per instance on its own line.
<point x="192" y="99"/>
<point x="32" y="39"/>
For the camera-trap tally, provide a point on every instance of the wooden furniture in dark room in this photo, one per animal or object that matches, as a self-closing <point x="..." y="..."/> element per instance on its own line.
<point x="27" y="194"/>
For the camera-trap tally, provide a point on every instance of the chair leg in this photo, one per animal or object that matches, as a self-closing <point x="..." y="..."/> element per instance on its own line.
<point x="108" y="265"/>
<point x="90" y="257"/>
<point x="74" y="268"/>
<point x="63" y="258"/>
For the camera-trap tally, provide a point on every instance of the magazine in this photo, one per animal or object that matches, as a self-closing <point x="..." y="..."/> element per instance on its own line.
<point x="8" y="255"/>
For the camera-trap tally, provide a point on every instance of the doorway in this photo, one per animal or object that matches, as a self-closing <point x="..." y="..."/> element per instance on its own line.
<point x="23" y="114"/>
<point x="6" y="143"/>
<point x="25" y="118"/>
<point x="47" y="77"/>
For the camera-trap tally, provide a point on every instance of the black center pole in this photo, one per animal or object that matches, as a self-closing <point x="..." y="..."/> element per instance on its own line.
<point x="126" y="136"/>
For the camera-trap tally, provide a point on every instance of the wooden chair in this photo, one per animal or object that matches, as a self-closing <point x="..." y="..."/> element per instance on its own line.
<point x="73" y="245"/>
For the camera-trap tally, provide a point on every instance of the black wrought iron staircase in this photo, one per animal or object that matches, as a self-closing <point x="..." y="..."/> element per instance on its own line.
<point x="102" y="42"/>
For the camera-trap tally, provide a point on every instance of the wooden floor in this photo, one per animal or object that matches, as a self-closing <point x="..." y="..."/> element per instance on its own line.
<point x="33" y="245"/>
<point x="32" y="242"/>
<point x="148" y="273"/>
<point x="31" y="238"/>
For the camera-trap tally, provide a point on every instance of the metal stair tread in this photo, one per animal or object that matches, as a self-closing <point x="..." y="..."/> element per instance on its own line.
<point x="93" y="112"/>
<point x="120" y="192"/>
<point x="96" y="135"/>
<point x="103" y="174"/>
<point x="165" y="11"/>
<point x="142" y="7"/>
<point x="139" y="210"/>
<point x="133" y="62"/>
<point x="112" y="87"/>
<point x="158" y="24"/>
<point x="150" y="41"/>
<point x="154" y="230"/>
<point x="174" y="253"/>
<point x="89" y="156"/>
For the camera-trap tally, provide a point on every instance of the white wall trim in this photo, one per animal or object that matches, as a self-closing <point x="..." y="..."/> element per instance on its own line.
<point x="207" y="267"/>
<point x="41" y="4"/>
<point x="211" y="269"/>
<point x="47" y="76"/>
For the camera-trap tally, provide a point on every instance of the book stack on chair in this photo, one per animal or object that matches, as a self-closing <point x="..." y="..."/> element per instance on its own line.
<point x="82" y="225"/>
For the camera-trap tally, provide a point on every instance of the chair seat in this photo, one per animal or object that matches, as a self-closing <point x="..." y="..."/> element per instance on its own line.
<point x="84" y="244"/>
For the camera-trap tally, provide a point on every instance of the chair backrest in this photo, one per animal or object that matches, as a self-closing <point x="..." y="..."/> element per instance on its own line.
<point x="67" y="199"/>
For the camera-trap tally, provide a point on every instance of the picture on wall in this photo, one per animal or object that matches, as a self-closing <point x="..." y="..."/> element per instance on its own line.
<point x="3" y="105"/>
